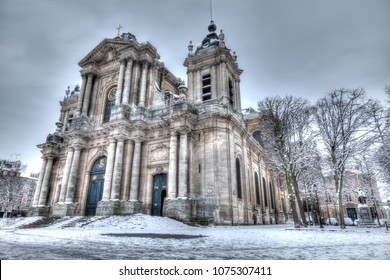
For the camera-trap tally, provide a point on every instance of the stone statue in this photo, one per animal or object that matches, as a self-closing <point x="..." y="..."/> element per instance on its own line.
<point x="362" y="198"/>
<point x="67" y="91"/>
<point x="76" y="90"/>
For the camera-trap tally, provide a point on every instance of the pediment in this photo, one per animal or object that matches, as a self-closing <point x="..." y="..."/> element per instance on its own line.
<point x="108" y="50"/>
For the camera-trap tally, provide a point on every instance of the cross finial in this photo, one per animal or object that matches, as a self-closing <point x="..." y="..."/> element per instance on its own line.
<point x="119" y="29"/>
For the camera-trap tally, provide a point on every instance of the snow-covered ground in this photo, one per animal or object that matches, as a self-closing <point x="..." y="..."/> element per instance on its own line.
<point x="142" y="237"/>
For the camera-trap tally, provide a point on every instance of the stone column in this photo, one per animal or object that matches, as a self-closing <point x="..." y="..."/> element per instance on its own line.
<point x="117" y="175"/>
<point x="73" y="175"/>
<point x="135" y="171"/>
<point x="213" y="75"/>
<point x="142" y="95"/>
<point x="183" y="165"/>
<point x="81" y="97"/>
<point x="45" y="182"/>
<point x="39" y="183"/>
<point x="190" y="84"/>
<point x="172" y="173"/>
<point x="126" y="89"/>
<point x="87" y="95"/>
<point x="238" y="94"/>
<point x="109" y="169"/>
<point x="224" y="83"/>
<point x="120" y="83"/>
<point x="198" y="86"/>
<point x="128" y="162"/>
<point x="134" y="84"/>
<point x="65" y="177"/>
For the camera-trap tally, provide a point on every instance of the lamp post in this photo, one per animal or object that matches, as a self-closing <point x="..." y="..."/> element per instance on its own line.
<point x="327" y="207"/>
<point x="376" y="210"/>
<point x="309" y="204"/>
<point x="318" y="206"/>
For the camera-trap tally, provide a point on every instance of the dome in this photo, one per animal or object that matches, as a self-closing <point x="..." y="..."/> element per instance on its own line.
<point x="212" y="26"/>
<point x="211" y="40"/>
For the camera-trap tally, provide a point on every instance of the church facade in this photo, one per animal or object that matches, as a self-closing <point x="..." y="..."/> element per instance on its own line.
<point x="134" y="139"/>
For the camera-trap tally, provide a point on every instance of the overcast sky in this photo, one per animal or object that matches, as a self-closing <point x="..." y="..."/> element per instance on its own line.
<point x="298" y="47"/>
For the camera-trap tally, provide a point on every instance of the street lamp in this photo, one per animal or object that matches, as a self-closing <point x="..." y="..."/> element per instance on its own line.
<point x="318" y="206"/>
<point x="376" y="210"/>
<point x="327" y="207"/>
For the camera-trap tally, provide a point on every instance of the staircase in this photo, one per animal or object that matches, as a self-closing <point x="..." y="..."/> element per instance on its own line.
<point x="44" y="222"/>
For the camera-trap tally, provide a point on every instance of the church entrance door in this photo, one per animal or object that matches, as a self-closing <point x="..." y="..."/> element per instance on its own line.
<point x="351" y="213"/>
<point x="159" y="193"/>
<point x="96" y="182"/>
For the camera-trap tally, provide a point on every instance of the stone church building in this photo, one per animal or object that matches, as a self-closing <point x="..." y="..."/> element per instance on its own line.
<point x="134" y="139"/>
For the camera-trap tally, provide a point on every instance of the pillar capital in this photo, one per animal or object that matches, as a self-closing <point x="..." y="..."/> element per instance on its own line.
<point x="184" y="130"/>
<point x="88" y="73"/>
<point x="138" y="139"/>
<point x="130" y="58"/>
<point x="76" y="147"/>
<point x="145" y="64"/>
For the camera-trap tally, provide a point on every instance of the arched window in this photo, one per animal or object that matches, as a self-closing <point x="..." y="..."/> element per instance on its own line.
<point x="257" y="189"/>
<point x="110" y="102"/>
<point x="265" y="193"/>
<point x="257" y="136"/>
<point x="271" y="193"/>
<point x="238" y="178"/>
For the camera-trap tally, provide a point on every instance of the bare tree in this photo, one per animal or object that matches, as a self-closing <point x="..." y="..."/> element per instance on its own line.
<point x="346" y="127"/>
<point x="15" y="191"/>
<point x="311" y="181"/>
<point x="381" y="116"/>
<point x="286" y="124"/>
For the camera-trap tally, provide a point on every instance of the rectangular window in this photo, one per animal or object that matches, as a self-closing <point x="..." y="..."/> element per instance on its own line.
<point x="206" y="87"/>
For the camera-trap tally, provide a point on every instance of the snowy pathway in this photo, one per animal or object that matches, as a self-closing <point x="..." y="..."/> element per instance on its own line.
<point x="140" y="237"/>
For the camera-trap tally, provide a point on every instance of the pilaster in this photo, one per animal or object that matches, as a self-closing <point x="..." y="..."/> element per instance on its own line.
<point x="73" y="174"/>
<point x="109" y="169"/>
<point x="126" y="89"/>
<point x="65" y="177"/>
<point x="45" y="183"/>
<point x="81" y="96"/>
<point x="142" y="97"/>
<point x="87" y="96"/>
<point x="117" y="174"/>
<point x="183" y="165"/>
<point x="39" y="183"/>
<point x="135" y="170"/>
<point x="172" y="173"/>
<point x="120" y="83"/>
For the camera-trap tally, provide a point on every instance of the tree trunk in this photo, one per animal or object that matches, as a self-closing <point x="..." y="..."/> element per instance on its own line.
<point x="299" y="201"/>
<point x="341" y="212"/>
<point x="340" y="194"/>
<point x="295" y="213"/>
<point x="292" y="202"/>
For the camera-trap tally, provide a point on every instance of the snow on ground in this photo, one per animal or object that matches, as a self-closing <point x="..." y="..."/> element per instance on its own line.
<point x="17" y="222"/>
<point x="145" y="237"/>
<point x="138" y="221"/>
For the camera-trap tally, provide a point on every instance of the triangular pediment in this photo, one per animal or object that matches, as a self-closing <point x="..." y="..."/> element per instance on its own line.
<point x="108" y="50"/>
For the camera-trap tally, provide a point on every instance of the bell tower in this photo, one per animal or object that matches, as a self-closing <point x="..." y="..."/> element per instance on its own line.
<point x="212" y="71"/>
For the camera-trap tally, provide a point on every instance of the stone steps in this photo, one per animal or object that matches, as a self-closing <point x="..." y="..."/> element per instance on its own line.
<point x="44" y="222"/>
